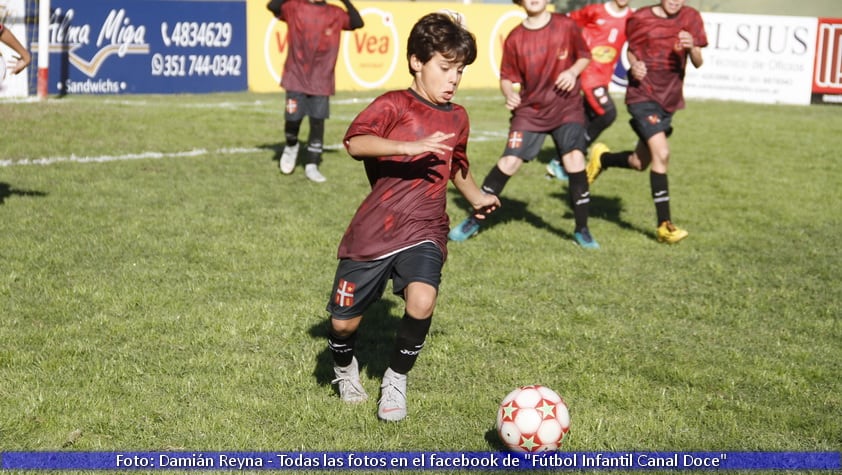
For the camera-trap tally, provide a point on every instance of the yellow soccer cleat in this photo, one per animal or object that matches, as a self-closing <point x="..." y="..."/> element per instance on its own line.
<point x="668" y="233"/>
<point x="594" y="167"/>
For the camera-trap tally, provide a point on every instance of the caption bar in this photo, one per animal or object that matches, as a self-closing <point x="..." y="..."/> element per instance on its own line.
<point x="420" y="461"/>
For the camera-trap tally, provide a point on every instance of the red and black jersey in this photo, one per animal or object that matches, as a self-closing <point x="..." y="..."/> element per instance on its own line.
<point x="534" y="59"/>
<point x="313" y="34"/>
<point x="408" y="196"/>
<point x="654" y="40"/>
<point x="605" y="34"/>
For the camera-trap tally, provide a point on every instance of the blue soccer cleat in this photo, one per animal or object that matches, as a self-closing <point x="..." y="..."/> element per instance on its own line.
<point x="464" y="230"/>
<point x="584" y="239"/>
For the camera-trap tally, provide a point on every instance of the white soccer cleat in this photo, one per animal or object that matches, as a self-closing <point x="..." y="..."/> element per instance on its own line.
<point x="392" y="403"/>
<point x="313" y="174"/>
<point x="288" y="159"/>
<point x="348" y="380"/>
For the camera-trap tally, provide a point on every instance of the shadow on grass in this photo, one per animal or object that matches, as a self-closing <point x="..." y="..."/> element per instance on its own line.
<point x="510" y="210"/>
<point x="375" y="341"/>
<point x="277" y="150"/>
<point x="6" y="191"/>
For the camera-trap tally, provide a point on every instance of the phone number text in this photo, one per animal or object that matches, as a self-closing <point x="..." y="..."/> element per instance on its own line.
<point x="191" y="34"/>
<point x="183" y="65"/>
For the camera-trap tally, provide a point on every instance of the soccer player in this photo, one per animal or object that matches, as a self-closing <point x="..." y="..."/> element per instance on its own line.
<point x="412" y="142"/>
<point x="314" y="28"/>
<point x="23" y="58"/>
<point x="604" y="28"/>
<point x="661" y="38"/>
<point x="545" y="55"/>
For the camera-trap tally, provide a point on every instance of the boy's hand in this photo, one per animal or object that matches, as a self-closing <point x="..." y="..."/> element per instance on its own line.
<point x="566" y="80"/>
<point x="432" y="143"/>
<point x="513" y="101"/>
<point x="685" y="40"/>
<point x="486" y="205"/>
<point x="638" y="70"/>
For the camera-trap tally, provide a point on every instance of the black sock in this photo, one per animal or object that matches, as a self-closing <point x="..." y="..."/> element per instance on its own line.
<point x="411" y="335"/>
<point x="580" y="197"/>
<point x="342" y="349"/>
<point x="660" y="195"/>
<point x="616" y="159"/>
<point x="495" y="181"/>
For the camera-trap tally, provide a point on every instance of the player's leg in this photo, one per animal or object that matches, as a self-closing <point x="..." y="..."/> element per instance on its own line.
<point x="293" y="116"/>
<point x="570" y="143"/>
<point x="654" y="126"/>
<point x="318" y="109"/>
<point x="416" y="276"/>
<point x="356" y="285"/>
<point x="601" y="157"/>
<point x="600" y="111"/>
<point x="521" y="147"/>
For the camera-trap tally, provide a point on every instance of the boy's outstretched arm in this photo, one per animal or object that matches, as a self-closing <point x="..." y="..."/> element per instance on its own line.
<point x="23" y="58"/>
<point x="356" y="20"/>
<point x="483" y="203"/>
<point x="360" y="146"/>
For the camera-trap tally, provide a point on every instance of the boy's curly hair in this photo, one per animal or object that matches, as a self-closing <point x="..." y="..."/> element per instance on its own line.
<point x="440" y="33"/>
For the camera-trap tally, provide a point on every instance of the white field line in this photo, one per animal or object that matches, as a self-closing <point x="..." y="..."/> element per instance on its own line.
<point x="476" y="136"/>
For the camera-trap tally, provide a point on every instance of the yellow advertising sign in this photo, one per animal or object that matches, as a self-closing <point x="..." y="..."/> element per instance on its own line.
<point x="374" y="57"/>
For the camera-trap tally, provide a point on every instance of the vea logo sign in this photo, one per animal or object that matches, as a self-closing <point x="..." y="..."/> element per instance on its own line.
<point x="146" y="47"/>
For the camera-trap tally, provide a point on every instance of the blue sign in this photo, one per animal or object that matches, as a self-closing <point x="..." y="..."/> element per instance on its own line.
<point x="147" y="46"/>
<point x="417" y="461"/>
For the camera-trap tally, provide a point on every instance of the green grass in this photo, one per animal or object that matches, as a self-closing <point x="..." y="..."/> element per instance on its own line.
<point x="177" y="302"/>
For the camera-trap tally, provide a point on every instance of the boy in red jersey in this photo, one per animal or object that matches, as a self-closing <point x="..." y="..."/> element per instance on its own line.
<point x="412" y="142"/>
<point x="314" y="28"/>
<point x="604" y="28"/>
<point x="544" y="55"/>
<point x="9" y="39"/>
<point x="661" y="39"/>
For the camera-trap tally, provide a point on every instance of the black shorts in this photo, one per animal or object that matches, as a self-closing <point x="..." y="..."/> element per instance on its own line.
<point x="527" y="145"/>
<point x="648" y="119"/>
<point x="298" y="105"/>
<point x="358" y="284"/>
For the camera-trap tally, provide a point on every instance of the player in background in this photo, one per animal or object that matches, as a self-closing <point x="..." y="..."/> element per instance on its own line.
<point x="604" y="28"/>
<point x="314" y="29"/>
<point x="412" y="142"/>
<point x="662" y="38"/>
<point x="545" y="55"/>
<point x="23" y="58"/>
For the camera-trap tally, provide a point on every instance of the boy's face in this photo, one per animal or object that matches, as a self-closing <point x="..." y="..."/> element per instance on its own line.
<point x="621" y="3"/>
<point x="671" y="7"/>
<point x="437" y="79"/>
<point x="534" y="7"/>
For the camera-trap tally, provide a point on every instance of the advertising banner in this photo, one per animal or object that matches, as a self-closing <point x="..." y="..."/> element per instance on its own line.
<point x="374" y="57"/>
<point x="12" y="15"/>
<point x="827" y="73"/>
<point x="146" y="46"/>
<point x="755" y="58"/>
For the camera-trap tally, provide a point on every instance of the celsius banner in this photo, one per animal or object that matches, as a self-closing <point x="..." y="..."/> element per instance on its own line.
<point x="755" y="58"/>
<point x="374" y="57"/>
<point x="146" y="46"/>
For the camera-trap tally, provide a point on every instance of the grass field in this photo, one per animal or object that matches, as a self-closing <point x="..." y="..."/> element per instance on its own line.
<point x="163" y="287"/>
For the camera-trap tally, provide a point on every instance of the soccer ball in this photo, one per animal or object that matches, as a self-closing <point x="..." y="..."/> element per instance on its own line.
<point x="532" y="419"/>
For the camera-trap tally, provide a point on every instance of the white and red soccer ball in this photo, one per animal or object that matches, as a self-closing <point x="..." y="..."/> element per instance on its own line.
<point x="532" y="419"/>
